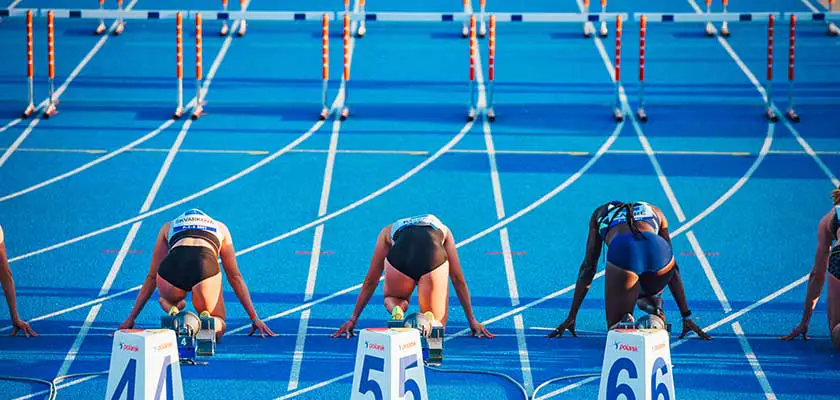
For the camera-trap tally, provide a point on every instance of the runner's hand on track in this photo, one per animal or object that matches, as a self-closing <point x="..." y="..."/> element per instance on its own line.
<point x="567" y="324"/>
<point x="259" y="325"/>
<point x="800" y="329"/>
<point x="20" y="325"/>
<point x="478" y="329"/>
<point x="689" y="325"/>
<point x="346" y="329"/>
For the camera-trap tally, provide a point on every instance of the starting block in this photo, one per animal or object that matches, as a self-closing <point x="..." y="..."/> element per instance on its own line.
<point x="143" y="366"/>
<point x="196" y="336"/>
<point x="637" y="365"/>
<point x="389" y="365"/>
<point x="431" y="335"/>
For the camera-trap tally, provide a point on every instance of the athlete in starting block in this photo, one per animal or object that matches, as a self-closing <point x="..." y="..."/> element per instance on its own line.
<point x="640" y="263"/>
<point x="186" y="259"/>
<point x="9" y="290"/>
<point x="827" y="257"/>
<point x="417" y="251"/>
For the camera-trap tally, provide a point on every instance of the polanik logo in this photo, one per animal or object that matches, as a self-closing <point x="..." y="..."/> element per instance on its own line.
<point x="625" y="347"/>
<point x="128" y="347"/>
<point x="374" y="346"/>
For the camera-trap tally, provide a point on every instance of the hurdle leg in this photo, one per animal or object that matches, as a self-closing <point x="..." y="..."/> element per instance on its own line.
<point x="51" y="107"/>
<point x="361" y="30"/>
<point x="465" y="30"/>
<point x="243" y="24"/>
<point x="179" y="64"/>
<point x="603" y="31"/>
<point x="791" y="111"/>
<point x="225" y="29"/>
<point x="586" y="27"/>
<point x="471" y="113"/>
<point x="100" y="29"/>
<point x="30" y="66"/>
<point x="618" y="114"/>
<point x="345" y="110"/>
<point x="724" y="28"/>
<point x="770" y="112"/>
<point x="710" y="29"/>
<point x="640" y="113"/>
<point x="325" y="64"/>
<point x="491" y="72"/>
<point x="198" y="111"/>
<point x="120" y="22"/>
<point x="482" y="27"/>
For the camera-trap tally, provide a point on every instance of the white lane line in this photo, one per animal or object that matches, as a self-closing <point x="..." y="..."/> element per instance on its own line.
<point x="87" y="165"/>
<point x="314" y="260"/>
<point x="60" y="90"/>
<point x="769" y="394"/>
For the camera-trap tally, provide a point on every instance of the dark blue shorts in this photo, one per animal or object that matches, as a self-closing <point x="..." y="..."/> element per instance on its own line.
<point x="640" y="255"/>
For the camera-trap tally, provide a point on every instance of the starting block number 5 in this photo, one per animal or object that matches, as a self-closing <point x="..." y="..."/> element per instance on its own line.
<point x="388" y="366"/>
<point x="637" y="366"/>
<point x="406" y="385"/>
<point x="658" y="388"/>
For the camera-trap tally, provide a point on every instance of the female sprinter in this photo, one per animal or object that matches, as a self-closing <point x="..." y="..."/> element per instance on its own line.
<point x="9" y="290"/>
<point x="826" y="258"/>
<point x="416" y="251"/>
<point x="640" y="263"/>
<point x="185" y="259"/>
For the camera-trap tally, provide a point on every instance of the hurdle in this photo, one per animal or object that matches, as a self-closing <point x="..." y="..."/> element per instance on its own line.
<point x="52" y="106"/>
<point x="30" y="66"/>
<point x="225" y="29"/>
<point x="471" y="113"/>
<point x="199" y="102"/>
<point x="179" y="64"/>
<point x="101" y="28"/>
<point x="465" y="30"/>
<point x="325" y="65"/>
<point x="771" y="30"/>
<point x="618" y="114"/>
<point x="603" y="31"/>
<point x="361" y="30"/>
<point x="641" y="113"/>
<point x="791" y="112"/>
<point x="345" y="111"/>
<point x="491" y="70"/>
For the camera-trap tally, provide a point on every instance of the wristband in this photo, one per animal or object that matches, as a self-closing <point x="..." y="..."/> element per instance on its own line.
<point x="254" y="317"/>
<point x="686" y="314"/>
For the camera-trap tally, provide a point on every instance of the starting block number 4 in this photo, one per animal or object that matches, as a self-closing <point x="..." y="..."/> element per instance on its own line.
<point x="637" y="366"/>
<point x="389" y="366"/>
<point x="144" y="365"/>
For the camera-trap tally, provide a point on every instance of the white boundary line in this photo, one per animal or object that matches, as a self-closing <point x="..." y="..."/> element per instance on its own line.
<point x="315" y="257"/>
<point x="60" y="90"/>
<point x="92" y="163"/>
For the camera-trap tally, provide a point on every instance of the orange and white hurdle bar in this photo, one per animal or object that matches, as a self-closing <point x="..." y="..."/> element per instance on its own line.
<point x="198" y="110"/>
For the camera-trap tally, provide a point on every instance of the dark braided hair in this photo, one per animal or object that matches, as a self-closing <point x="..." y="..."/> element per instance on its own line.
<point x="835" y="195"/>
<point x="631" y="219"/>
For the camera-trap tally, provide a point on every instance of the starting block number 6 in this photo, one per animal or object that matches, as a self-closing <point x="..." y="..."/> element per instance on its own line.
<point x="368" y="385"/>
<point x="615" y="389"/>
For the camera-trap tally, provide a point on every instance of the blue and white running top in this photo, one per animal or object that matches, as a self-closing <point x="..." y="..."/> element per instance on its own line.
<point x="194" y="223"/>
<point x="641" y="212"/>
<point x="417" y="220"/>
<point x="834" y="227"/>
